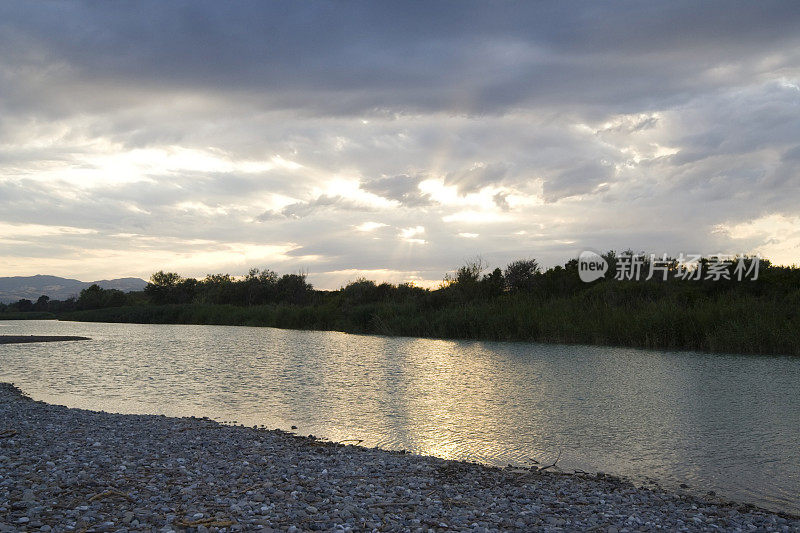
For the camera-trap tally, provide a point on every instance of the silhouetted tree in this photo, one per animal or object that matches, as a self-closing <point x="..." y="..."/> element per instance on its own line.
<point x="96" y="297"/>
<point x="520" y="275"/>
<point x="361" y="291"/>
<point x="470" y="272"/>
<point x="260" y="286"/>
<point x="219" y="289"/>
<point x="493" y="283"/>
<point x="292" y="288"/>
<point x="42" y="303"/>
<point x="161" y="285"/>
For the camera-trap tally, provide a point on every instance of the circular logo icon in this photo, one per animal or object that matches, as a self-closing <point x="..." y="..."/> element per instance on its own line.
<point x="591" y="266"/>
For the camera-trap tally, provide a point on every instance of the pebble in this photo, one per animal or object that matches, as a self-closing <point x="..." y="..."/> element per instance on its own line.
<point x="73" y="470"/>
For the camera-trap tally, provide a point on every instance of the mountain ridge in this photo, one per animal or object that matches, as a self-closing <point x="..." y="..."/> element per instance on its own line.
<point x="13" y="288"/>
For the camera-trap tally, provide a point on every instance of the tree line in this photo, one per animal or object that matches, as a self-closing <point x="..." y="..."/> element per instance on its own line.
<point x="675" y="308"/>
<point x="471" y="282"/>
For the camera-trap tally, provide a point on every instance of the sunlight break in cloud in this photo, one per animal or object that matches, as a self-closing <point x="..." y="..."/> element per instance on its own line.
<point x="370" y="226"/>
<point x="411" y="234"/>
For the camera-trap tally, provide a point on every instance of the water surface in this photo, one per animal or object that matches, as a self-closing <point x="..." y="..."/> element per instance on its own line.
<point x="726" y="423"/>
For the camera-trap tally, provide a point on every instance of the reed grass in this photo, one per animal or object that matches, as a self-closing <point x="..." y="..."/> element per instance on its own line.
<point x="728" y="322"/>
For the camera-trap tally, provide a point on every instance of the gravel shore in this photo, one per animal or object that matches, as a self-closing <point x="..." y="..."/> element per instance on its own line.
<point x="73" y="470"/>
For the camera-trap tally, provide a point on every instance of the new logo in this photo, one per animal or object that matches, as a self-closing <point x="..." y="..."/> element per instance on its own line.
<point x="591" y="266"/>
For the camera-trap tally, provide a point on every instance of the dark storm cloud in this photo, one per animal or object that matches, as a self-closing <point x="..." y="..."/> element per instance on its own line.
<point x="333" y="57"/>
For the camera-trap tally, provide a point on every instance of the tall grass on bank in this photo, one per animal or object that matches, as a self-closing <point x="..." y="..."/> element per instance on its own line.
<point x="728" y="322"/>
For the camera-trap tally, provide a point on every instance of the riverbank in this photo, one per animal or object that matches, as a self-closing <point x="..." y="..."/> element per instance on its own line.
<point x="22" y="339"/>
<point x="73" y="470"/>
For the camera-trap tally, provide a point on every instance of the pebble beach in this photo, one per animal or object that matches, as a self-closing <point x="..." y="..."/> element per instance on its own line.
<point x="65" y="469"/>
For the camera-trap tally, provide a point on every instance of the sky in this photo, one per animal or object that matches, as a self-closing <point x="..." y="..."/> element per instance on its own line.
<point x="393" y="141"/>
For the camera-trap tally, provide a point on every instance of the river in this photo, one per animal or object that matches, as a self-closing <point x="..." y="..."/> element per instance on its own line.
<point x="722" y="422"/>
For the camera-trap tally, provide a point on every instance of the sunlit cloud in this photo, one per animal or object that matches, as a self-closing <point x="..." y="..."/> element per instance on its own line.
<point x="370" y="226"/>
<point x="38" y="230"/>
<point x="413" y="234"/>
<point x="100" y="162"/>
<point x="776" y="237"/>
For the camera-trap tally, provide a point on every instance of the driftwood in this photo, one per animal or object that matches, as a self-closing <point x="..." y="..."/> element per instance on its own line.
<point x="212" y="522"/>
<point x="111" y="493"/>
<point x="357" y="441"/>
<point x="554" y="462"/>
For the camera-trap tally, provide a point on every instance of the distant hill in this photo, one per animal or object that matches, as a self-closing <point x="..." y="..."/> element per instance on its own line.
<point x="31" y="287"/>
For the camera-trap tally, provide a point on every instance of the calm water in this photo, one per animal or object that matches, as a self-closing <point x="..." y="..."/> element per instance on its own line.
<point x="716" y="422"/>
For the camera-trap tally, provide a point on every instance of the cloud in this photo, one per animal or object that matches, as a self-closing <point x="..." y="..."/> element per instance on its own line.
<point x="775" y="236"/>
<point x="303" y="209"/>
<point x="374" y="58"/>
<point x="402" y="188"/>
<point x="370" y="226"/>
<point x="477" y="176"/>
<point x="413" y="234"/>
<point x="327" y="134"/>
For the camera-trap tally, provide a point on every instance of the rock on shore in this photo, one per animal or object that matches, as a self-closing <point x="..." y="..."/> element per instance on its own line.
<point x="73" y="470"/>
